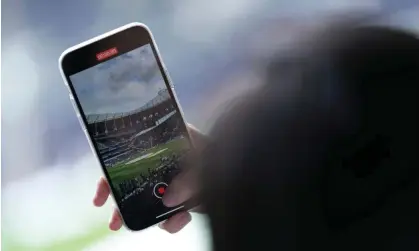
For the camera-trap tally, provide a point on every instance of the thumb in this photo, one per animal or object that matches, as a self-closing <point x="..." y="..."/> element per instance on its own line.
<point x="181" y="189"/>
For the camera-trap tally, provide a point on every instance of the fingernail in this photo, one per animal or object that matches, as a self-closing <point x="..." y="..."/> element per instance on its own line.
<point x="170" y="200"/>
<point x="184" y="219"/>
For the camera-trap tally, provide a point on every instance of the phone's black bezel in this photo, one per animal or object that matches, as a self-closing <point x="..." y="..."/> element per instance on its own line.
<point x="84" y="58"/>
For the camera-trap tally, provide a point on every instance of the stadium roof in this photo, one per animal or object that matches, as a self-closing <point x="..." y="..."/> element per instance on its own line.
<point x="162" y="96"/>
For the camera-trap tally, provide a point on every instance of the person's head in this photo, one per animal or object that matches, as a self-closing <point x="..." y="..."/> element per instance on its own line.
<point x="303" y="160"/>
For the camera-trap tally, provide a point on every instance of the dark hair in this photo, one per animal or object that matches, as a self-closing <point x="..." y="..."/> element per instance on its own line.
<point x="315" y="156"/>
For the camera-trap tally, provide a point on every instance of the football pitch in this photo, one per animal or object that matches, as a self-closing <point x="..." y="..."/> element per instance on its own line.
<point x="143" y="161"/>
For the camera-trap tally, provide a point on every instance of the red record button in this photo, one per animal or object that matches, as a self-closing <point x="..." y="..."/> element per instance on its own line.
<point x="159" y="189"/>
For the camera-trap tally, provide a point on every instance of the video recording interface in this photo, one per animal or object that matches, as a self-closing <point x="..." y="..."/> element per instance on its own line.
<point x="139" y="133"/>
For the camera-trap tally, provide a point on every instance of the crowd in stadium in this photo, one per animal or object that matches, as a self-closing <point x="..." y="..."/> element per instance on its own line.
<point x="127" y="149"/>
<point x="136" y="196"/>
<point x="168" y="168"/>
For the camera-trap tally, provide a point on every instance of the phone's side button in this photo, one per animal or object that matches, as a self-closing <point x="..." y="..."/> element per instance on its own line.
<point x="90" y="143"/>
<point x="81" y="122"/>
<point x="73" y="104"/>
<point x="76" y="110"/>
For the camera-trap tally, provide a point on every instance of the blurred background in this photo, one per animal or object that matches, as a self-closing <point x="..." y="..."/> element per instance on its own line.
<point x="210" y="48"/>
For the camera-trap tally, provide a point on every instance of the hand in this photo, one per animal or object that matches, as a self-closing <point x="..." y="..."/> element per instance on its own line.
<point x="179" y="190"/>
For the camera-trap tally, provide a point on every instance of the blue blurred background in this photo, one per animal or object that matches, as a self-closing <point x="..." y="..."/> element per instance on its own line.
<point x="48" y="171"/>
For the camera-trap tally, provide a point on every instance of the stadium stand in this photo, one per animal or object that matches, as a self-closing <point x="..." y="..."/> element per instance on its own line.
<point x="120" y="134"/>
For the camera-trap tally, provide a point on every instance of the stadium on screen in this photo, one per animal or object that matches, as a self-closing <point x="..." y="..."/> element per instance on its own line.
<point x="135" y="145"/>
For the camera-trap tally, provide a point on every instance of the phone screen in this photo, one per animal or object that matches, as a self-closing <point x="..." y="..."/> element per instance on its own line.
<point x="137" y="129"/>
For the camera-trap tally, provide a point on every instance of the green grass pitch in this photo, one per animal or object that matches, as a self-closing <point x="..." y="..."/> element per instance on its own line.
<point x="132" y="169"/>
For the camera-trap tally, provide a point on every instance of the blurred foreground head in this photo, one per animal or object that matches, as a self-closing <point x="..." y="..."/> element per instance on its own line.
<point x="324" y="154"/>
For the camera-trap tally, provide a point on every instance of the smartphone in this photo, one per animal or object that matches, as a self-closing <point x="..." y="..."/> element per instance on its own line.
<point x="127" y="107"/>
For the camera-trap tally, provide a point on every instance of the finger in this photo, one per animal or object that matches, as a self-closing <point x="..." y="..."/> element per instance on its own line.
<point x="180" y="189"/>
<point x="102" y="193"/>
<point x="116" y="221"/>
<point x="176" y="222"/>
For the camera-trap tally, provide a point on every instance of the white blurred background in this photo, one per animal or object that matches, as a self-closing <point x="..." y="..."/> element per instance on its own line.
<point x="48" y="171"/>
